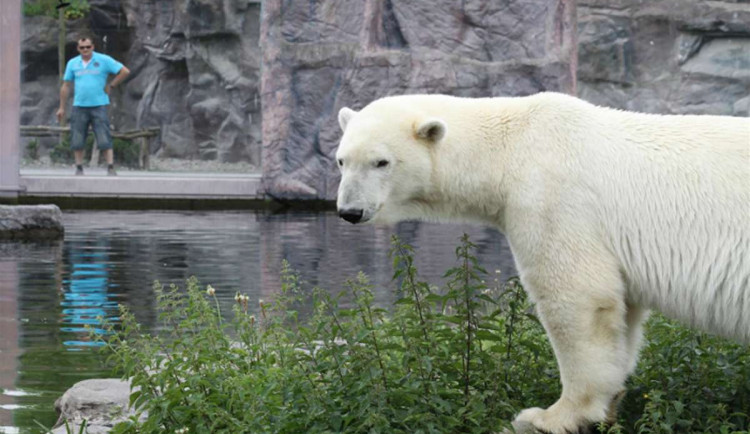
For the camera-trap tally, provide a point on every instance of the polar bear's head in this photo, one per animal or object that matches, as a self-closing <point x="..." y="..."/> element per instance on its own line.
<point x="386" y="160"/>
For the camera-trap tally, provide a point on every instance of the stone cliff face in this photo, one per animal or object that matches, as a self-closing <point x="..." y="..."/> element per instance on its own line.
<point x="319" y="57"/>
<point x="195" y="72"/>
<point x="197" y="64"/>
<point x="665" y="56"/>
<point x="230" y="80"/>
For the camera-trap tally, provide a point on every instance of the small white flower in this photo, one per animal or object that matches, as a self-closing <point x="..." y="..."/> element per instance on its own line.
<point x="238" y="298"/>
<point x="498" y="272"/>
<point x="260" y="302"/>
<point x="210" y="290"/>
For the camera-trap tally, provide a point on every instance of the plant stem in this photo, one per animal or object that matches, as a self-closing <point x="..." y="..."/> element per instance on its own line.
<point x="413" y="286"/>
<point x="513" y="314"/>
<point x="467" y="300"/>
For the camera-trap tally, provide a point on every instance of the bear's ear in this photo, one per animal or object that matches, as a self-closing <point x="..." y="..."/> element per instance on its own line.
<point x="345" y="115"/>
<point x="431" y="129"/>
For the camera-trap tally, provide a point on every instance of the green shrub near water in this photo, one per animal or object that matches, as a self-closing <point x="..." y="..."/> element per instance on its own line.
<point x="465" y="358"/>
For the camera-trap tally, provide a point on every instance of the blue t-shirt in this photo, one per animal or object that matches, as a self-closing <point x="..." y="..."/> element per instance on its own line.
<point x="90" y="81"/>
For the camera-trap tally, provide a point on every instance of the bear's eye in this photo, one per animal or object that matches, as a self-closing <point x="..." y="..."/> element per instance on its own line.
<point x="341" y="162"/>
<point x="381" y="163"/>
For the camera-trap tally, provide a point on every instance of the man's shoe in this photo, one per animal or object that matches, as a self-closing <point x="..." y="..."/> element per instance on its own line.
<point x="111" y="171"/>
<point x="79" y="170"/>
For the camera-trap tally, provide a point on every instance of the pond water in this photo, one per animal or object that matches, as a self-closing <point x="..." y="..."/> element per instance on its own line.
<point x="50" y="291"/>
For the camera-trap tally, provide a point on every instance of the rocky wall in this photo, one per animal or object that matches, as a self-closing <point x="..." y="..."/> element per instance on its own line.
<point x="229" y="80"/>
<point x="321" y="56"/>
<point x="195" y="72"/>
<point x="665" y="56"/>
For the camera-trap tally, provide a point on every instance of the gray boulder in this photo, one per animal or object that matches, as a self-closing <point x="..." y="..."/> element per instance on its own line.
<point x="30" y="222"/>
<point x="100" y="403"/>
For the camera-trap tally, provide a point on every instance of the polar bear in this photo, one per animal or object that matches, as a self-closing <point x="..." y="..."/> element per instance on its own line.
<point x="608" y="214"/>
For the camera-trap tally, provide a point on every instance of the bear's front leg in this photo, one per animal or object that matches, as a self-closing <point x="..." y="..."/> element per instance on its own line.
<point x="585" y="317"/>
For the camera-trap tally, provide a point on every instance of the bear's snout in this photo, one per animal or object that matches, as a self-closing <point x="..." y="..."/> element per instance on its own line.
<point x="352" y="215"/>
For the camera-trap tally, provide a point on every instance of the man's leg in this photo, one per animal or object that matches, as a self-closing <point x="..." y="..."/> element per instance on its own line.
<point x="79" y="125"/>
<point x="100" y="120"/>
<point x="109" y="155"/>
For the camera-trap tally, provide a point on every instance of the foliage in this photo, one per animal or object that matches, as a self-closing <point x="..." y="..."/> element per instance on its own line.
<point x="463" y="358"/>
<point x="77" y="8"/>
<point x="32" y="149"/>
<point x="126" y="152"/>
<point x="689" y="382"/>
<point x="62" y="153"/>
<point x="431" y="365"/>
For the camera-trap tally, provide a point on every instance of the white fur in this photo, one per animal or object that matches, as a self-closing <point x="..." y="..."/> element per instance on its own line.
<point x="608" y="214"/>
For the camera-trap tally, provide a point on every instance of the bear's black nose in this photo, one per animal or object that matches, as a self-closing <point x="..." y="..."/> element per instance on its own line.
<point x="351" y="215"/>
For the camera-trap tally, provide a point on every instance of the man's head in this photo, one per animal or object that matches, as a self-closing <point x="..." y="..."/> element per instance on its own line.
<point x="86" y="46"/>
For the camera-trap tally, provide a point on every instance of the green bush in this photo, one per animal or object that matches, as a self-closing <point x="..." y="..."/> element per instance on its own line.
<point x="126" y="152"/>
<point x="77" y="8"/>
<point x="430" y="365"/>
<point x="61" y="152"/>
<point x="689" y="382"/>
<point x="464" y="358"/>
<point x="32" y="149"/>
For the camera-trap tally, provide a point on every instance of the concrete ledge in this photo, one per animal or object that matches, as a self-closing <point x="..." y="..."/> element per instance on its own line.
<point x="138" y="184"/>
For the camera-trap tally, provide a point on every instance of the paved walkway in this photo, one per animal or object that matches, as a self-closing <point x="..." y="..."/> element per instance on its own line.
<point x="140" y="184"/>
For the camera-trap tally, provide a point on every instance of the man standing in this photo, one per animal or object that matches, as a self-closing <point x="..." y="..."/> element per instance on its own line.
<point x="89" y="73"/>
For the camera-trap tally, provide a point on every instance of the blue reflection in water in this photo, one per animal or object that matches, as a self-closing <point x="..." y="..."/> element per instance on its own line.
<point x="86" y="301"/>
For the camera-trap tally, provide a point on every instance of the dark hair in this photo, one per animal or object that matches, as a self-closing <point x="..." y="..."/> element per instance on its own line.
<point x="87" y="38"/>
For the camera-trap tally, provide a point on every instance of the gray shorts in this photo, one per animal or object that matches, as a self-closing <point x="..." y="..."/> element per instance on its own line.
<point x="98" y="118"/>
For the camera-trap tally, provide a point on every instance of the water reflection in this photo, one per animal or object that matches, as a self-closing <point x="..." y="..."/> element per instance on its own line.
<point x="9" y="329"/>
<point x="86" y="300"/>
<point x="50" y="292"/>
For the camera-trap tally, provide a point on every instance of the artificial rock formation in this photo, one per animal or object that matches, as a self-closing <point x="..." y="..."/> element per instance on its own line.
<point x="198" y="64"/>
<point x="319" y="57"/>
<point x="195" y="72"/>
<point x="665" y="56"/>
<point x="229" y="80"/>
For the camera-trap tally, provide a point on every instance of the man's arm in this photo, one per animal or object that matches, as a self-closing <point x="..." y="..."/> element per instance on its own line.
<point x="124" y="72"/>
<point x="64" y="93"/>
